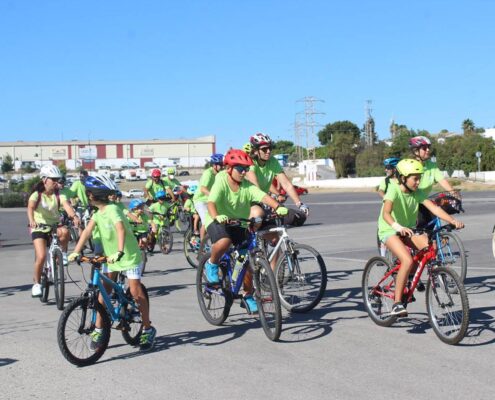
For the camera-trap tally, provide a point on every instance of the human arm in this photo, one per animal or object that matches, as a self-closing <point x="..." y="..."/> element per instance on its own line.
<point x="387" y="216"/>
<point x="30" y="213"/>
<point x="85" y="235"/>
<point x="291" y="192"/>
<point x="70" y="212"/>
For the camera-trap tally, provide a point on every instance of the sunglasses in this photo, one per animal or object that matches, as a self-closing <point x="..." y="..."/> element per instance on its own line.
<point x="426" y="147"/>
<point x="55" y="179"/>
<point x="241" y="168"/>
<point x="265" y="149"/>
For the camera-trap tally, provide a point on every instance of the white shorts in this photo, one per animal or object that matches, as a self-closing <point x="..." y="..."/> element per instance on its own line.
<point x="202" y="209"/>
<point x="133" y="273"/>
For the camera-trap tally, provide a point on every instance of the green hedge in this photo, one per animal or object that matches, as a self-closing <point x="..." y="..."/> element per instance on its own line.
<point x="13" y="200"/>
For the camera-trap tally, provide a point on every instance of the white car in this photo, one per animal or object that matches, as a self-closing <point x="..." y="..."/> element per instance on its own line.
<point x="133" y="193"/>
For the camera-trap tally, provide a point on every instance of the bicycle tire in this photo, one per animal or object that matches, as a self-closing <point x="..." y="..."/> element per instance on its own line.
<point x="267" y="299"/>
<point x="144" y="258"/>
<point x="376" y="304"/>
<point x="215" y="304"/>
<point x="451" y="253"/>
<point x="302" y="285"/>
<point x="191" y="253"/>
<point x="45" y="286"/>
<point x="166" y="240"/>
<point x="74" y="328"/>
<point x="58" y="278"/>
<point x="450" y="326"/>
<point x="133" y="322"/>
<point x="74" y="233"/>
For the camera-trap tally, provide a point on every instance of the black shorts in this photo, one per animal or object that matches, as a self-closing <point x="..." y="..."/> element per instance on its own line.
<point x="218" y="231"/>
<point x="41" y="235"/>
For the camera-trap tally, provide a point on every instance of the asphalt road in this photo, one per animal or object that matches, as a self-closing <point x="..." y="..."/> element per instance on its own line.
<point x="335" y="351"/>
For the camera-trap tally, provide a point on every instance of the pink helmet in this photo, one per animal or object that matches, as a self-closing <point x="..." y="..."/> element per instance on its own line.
<point x="417" y="141"/>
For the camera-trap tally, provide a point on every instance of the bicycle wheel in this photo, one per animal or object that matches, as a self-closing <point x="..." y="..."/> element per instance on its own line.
<point x="301" y="278"/>
<point x="132" y="324"/>
<point x="267" y="299"/>
<point x="58" y="278"/>
<point x="45" y="286"/>
<point x="192" y="251"/>
<point x="75" y="325"/>
<point x="74" y="233"/>
<point x="144" y="257"/>
<point x="378" y="293"/>
<point x="447" y="305"/>
<point x="214" y="301"/>
<point x="451" y="253"/>
<point x="166" y="240"/>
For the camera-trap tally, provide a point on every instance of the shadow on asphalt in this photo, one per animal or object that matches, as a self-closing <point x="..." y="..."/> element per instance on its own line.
<point x="7" y="361"/>
<point x="11" y="290"/>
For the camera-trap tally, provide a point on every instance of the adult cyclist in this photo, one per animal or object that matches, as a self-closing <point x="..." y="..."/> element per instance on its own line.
<point x="390" y="178"/>
<point x="154" y="185"/>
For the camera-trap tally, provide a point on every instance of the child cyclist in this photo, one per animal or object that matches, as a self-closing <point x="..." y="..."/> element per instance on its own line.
<point x="230" y="198"/>
<point x="139" y="220"/>
<point x="44" y="208"/>
<point x="390" y="178"/>
<point x="121" y="249"/>
<point x="398" y="217"/>
<point x="159" y="211"/>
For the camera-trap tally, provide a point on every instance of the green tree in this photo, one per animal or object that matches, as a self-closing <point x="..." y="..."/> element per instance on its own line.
<point x="8" y="163"/>
<point x="284" y="147"/>
<point x="468" y="127"/>
<point x="343" y="151"/>
<point x="339" y="127"/>
<point x="369" y="162"/>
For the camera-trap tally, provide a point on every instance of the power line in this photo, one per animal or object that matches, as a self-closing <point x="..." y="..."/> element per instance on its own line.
<point x="309" y="123"/>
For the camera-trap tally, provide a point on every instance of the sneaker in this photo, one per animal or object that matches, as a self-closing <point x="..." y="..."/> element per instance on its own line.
<point x="36" y="290"/>
<point x="399" y="310"/>
<point x="96" y="339"/>
<point x="147" y="339"/>
<point x="251" y="305"/>
<point x="211" y="272"/>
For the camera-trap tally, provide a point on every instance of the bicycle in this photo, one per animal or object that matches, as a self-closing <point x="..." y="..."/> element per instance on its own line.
<point x="53" y="269"/>
<point x="446" y="299"/>
<point x="300" y="272"/>
<point x="215" y="300"/>
<point x="85" y="214"/>
<point x="164" y="235"/>
<point x="78" y="320"/>
<point x="193" y="247"/>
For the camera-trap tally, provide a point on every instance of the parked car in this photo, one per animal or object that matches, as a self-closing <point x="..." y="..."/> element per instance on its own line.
<point x="133" y="193"/>
<point x="299" y="189"/>
<point x="183" y="173"/>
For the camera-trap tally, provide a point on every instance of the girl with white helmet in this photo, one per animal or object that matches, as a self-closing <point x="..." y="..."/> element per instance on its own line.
<point x="44" y="209"/>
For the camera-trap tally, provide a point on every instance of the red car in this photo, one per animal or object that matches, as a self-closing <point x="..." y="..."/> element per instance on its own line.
<point x="299" y="189"/>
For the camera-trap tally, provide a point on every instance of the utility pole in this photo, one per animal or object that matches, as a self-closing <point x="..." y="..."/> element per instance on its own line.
<point x="309" y="123"/>
<point x="369" y="126"/>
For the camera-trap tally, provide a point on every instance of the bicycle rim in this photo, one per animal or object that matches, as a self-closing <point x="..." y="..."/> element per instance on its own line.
<point x="451" y="253"/>
<point x="447" y="305"/>
<point x="132" y="321"/>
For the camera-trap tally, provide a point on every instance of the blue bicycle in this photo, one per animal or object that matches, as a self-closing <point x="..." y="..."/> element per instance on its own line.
<point x="78" y="319"/>
<point x="215" y="300"/>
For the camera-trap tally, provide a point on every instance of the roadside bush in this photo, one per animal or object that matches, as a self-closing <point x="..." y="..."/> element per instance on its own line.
<point x="13" y="200"/>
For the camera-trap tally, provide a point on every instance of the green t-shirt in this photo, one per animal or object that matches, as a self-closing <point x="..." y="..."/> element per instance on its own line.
<point x="142" y="226"/>
<point x="79" y="191"/>
<point x="161" y="209"/>
<point x="47" y="211"/>
<point x="233" y="204"/>
<point x="266" y="173"/>
<point x="383" y="184"/>
<point x="189" y="205"/>
<point x="153" y="187"/>
<point x="404" y="209"/>
<point x="207" y="180"/>
<point x="172" y="183"/>
<point x="431" y="175"/>
<point x="105" y="221"/>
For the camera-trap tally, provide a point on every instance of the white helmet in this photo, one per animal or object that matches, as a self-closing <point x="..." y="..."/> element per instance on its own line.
<point x="260" y="139"/>
<point x="50" y="171"/>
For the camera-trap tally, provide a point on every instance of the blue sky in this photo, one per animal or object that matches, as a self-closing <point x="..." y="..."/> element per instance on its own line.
<point x="163" y="69"/>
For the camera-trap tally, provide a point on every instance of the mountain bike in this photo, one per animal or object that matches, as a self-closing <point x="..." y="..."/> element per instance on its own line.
<point x="215" y="300"/>
<point x="300" y="272"/>
<point x="78" y="320"/>
<point x="193" y="247"/>
<point x="85" y="214"/>
<point x="446" y="299"/>
<point x="164" y="236"/>
<point x="53" y="269"/>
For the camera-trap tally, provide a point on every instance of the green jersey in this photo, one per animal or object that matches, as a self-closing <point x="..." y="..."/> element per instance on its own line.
<point x="47" y="211"/>
<point x="431" y="175"/>
<point x="161" y="209"/>
<point x="79" y="191"/>
<point x="172" y="183"/>
<point x="105" y="220"/>
<point x="404" y="209"/>
<point x="154" y="188"/>
<point x="384" y="185"/>
<point x="233" y="204"/>
<point x="266" y="173"/>
<point x="207" y="180"/>
<point x="189" y="206"/>
<point x="142" y="225"/>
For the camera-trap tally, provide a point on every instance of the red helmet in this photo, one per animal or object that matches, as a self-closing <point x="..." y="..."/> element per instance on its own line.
<point x="156" y="173"/>
<point x="417" y="141"/>
<point x="237" y="157"/>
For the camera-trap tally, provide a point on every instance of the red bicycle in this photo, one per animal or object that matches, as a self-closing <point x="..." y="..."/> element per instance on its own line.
<point x="446" y="299"/>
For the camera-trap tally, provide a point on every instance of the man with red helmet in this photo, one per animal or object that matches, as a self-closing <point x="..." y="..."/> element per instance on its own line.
<point x="154" y="184"/>
<point x="230" y="198"/>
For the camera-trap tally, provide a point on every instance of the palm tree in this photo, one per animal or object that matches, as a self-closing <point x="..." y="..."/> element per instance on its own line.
<point x="468" y="126"/>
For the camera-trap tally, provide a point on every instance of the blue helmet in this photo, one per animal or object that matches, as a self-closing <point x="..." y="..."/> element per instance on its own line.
<point x="391" y="162"/>
<point x="135" y="203"/>
<point x="100" y="185"/>
<point x="118" y="193"/>
<point x="192" y="189"/>
<point x="160" y="194"/>
<point x="216" y="158"/>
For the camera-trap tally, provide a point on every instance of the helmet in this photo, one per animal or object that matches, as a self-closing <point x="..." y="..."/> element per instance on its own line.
<point x="237" y="157"/>
<point x="408" y="167"/>
<point x="247" y="148"/>
<point x="170" y="171"/>
<point x="50" y="171"/>
<point x="260" y="139"/>
<point x="135" y="203"/>
<point x="216" y="158"/>
<point x="156" y="173"/>
<point x="391" y="162"/>
<point x="118" y="194"/>
<point x="100" y="185"/>
<point x="418" y="141"/>
<point x="192" y="189"/>
<point x="159" y="194"/>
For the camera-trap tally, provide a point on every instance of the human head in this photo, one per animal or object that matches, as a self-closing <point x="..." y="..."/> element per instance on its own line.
<point x="216" y="161"/>
<point x="160" y="196"/>
<point x="99" y="187"/>
<point x="83" y="174"/>
<point x="261" y="146"/>
<point x="50" y="176"/>
<point x="136" y="204"/>
<point x="390" y="164"/>
<point x="409" y="173"/>
<point x="238" y="163"/>
<point x="156" y="174"/>
<point x="420" y="146"/>
<point x="171" y="172"/>
<point x="247" y="148"/>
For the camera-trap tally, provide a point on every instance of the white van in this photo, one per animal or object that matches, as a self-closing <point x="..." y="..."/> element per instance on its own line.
<point x="151" y="164"/>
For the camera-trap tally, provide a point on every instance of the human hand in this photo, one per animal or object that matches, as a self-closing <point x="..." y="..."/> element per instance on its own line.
<point x="221" y="219"/>
<point x="73" y="257"/>
<point x="115" y="257"/>
<point x="282" y="211"/>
